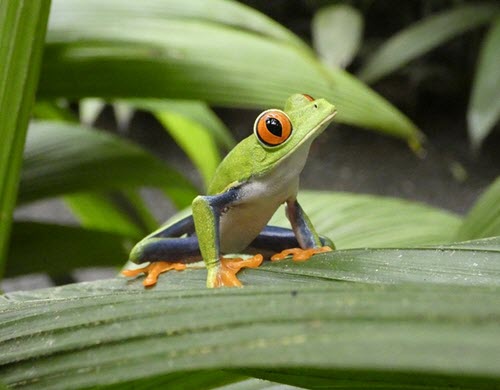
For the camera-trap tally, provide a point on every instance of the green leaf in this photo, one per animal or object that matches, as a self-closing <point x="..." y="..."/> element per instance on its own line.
<point x="337" y="32"/>
<point x="466" y="264"/>
<point x="56" y="249"/>
<point x="354" y="220"/>
<point x="22" y="31"/>
<point x="483" y="220"/>
<point x="190" y="380"/>
<point x="423" y="36"/>
<point x="358" y="104"/>
<point x="227" y="13"/>
<point x="52" y="110"/>
<point x="62" y="158"/>
<point x="293" y="325"/>
<point x="103" y="212"/>
<point x="94" y="46"/>
<point x="484" y="106"/>
<point x="256" y="384"/>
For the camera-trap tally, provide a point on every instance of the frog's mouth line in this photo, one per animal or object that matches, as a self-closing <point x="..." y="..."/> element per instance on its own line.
<point x="314" y="132"/>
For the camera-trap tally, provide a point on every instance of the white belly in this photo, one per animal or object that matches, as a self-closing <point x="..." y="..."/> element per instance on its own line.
<point x="243" y="221"/>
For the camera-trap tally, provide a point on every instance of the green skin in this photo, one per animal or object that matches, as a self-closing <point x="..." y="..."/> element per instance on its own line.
<point x="250" y="184"/>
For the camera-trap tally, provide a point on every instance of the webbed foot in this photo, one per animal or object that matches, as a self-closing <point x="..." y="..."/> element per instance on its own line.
<point x="300" y="254"/>
<point x="153" y="270"/>
<point x="225" y="274"/>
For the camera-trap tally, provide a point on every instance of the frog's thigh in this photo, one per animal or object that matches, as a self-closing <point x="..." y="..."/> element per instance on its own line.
<point x="178" y="229"/>
<point x="182" y="250"/>
<point x="275" y="239"/>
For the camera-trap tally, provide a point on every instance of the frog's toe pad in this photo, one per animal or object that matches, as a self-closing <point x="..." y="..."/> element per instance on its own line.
<point x="153" y="270"/>
<point x="300" y="254"/>
<point x="226" y="274"/>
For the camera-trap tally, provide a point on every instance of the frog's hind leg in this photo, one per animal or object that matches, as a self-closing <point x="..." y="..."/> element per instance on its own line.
<point x="178" y="229"/>
<point x="274" y="239"/>
<point x="153" y="270"/>
<point x="166" y="250"/>
<point x="164" y="254"/>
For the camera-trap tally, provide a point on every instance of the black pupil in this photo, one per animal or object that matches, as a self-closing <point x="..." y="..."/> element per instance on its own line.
<point x="274" y="126"/>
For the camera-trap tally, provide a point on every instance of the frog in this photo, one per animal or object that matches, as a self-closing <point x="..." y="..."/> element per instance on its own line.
<point x="258" y="175"/>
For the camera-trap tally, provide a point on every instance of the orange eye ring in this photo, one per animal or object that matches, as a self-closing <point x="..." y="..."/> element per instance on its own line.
<point x="308" y="97"/>
<point x="272" y="128"/>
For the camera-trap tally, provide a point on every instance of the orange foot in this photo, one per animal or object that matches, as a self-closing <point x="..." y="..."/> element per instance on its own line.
<point x="300" y="254"/>
<point x="153" y="270"/>
<point x="226" y="274"/>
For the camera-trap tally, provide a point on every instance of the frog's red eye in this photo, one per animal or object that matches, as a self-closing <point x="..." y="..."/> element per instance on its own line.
<point x="308" y="97"/>
<point x="272" y="127"/>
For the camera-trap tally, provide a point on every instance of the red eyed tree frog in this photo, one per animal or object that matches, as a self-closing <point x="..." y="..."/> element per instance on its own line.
<point x="256" y="177"/>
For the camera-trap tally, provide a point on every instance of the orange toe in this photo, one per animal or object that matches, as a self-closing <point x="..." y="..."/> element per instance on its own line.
<point x="300" y="254"/>
<point x="226" y="275"/>
<point x="153" y="270"/>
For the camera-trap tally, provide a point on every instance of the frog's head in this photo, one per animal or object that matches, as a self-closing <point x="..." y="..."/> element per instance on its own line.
<point x="281" y="133"/>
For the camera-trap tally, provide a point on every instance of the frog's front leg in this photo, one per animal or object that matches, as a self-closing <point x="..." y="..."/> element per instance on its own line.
<point x="207" y="211"/>
<point x="309" y="241"/>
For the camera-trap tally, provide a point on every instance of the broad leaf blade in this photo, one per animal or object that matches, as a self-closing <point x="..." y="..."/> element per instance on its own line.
<point x="181" y="47"/>
<point x="188" y="58"/>
<point x="337" y="31"/>
<point x="229" y="14"/>
<point x="356" y="104"/>
<point x="423" y="36"/>
<point x="455" y="265"/>
<point x="22" y="30"/>
<point x="484" y="107"/>
<point x="364" y="221"/>
<point x="220" y="380"/>
<point x="63" y="158"/>
<point x="342" y="331"/>
<point x="483" y="219"/>
<point x="256" y="384"/>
